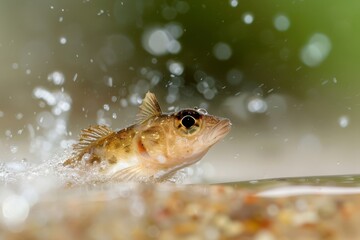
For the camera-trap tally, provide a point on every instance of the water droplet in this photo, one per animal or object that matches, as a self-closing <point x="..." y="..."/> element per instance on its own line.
<point x="257" y="105"/>
<point x="56" y="77"/>
<point x="86" y="157"/>
<point x="234" y="77"/>
<point x="174" y="29"/>
<point x="114" y="99"/>
<point x="202" y="86"/>
<point x="176" y="68"/>
<point x="13" y="149"/>
<point x="44" y="94"/>
<point x="100" y="12"/>
<point x="202" y="111"/>
<point x="62" y="40"/>
<point x="159" y="41"/>
<point x="8" y="133"/>
<point x="108" y="81"/>
<point x="281" y="23"/>
<point x="234" y="3"/>
<point x="64" y="105"/>
<point x="344" y="121"/>
<point x="106" y="107"/>
<point x="316" y="50"/>
<point x="155" y="41"/>
<point x="174" y="47"/>
<point x="123" y="103"/>
<point x="209" y="94"/>
<point x="45" y="120"/>
<point x="248" y="18"/>
<point x="75" y="77"/>
<point x="222" y="51"/>
<point x="171" y="98"/>
<point x="19" y="116"/>
<point x="156" y="79"/>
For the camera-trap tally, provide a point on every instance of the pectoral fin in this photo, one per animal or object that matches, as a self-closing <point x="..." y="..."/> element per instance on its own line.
<point x="132" y="174"/>
<point x="140" y="174"/>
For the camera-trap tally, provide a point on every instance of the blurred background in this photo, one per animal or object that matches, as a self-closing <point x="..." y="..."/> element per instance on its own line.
<point x="285" y="72"/>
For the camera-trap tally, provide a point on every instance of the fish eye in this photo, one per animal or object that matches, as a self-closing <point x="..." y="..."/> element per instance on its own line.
<point x="188" y="121"/>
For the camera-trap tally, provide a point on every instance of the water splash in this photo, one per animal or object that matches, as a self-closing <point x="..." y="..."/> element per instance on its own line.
<point x="53" y="121"/>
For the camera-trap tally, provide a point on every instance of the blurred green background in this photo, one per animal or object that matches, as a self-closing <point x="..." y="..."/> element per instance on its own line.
<point x="284" y="72"/>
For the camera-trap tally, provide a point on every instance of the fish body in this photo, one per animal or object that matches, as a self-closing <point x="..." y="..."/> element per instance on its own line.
<point x="152" y="149"/>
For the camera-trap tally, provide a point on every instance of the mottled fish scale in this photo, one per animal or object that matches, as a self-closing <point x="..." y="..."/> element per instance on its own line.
<point x="152" y="149"/>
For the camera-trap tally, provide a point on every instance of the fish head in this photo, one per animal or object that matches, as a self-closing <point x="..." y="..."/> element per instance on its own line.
<point x="199" y="127"/>
<point x="195" y="132"/>
<point x="169" y="142"/>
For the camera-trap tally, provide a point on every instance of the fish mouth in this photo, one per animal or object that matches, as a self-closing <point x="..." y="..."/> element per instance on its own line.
<point x="218" y="132"/>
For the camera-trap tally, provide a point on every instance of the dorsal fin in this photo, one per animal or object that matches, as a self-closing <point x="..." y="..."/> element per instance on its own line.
<point x="90" y="136"/>
<point x="149" y="108"/>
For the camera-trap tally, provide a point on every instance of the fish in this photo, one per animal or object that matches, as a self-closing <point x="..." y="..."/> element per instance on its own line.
<point x="151" y="150"/>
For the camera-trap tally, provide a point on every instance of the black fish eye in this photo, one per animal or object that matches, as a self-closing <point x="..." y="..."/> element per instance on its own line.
<point x="188" y="121"/>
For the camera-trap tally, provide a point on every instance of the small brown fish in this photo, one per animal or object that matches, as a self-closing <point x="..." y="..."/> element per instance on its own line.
<point x="152" y="149"/>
